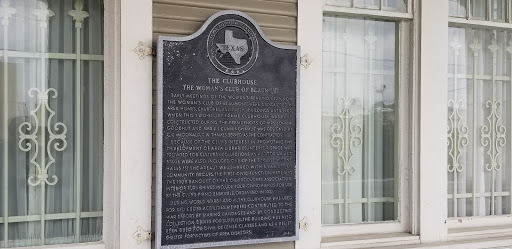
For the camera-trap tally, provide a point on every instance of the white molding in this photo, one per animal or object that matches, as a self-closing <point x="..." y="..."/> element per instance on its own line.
<point x="476" y="222"/>
<point x="112" y="122"/>
<point x="432" y="116"/>
<point x="404" y="129"/>
<point x="358" y="229"/>
<point x="309" y="38"/>
<point x="414" y="120"/>
<point x="462" y="22"/>
<point x="466" y="234"/>
<point x="370" y="240"/>
<point x="476" y="244"/>
<point x="135" y="124"/>
<point x="404" y="241"/>
<point x="381" y="14"/>
<point x="94" y="245"/>
<point x="469" y="243"/>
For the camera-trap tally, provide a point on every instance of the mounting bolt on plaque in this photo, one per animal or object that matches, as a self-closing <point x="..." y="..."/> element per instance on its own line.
<point x="304" y="224"/>
<point x="305" y="61"/>
<point x="141" y="235"/>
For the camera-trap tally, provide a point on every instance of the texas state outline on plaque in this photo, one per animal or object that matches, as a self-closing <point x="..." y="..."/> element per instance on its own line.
<point x="234" y="46"/>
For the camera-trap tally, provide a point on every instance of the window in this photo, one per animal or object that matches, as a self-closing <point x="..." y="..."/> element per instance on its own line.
<point x="459" y="144"/>
<point x="364" y="65"/>
<point x="479" y="107"/>
<point x="358" y="121"/>
<point x="51" y="127"/>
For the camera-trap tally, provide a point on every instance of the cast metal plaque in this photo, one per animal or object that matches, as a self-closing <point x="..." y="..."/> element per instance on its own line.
<point x="227" y="135"/>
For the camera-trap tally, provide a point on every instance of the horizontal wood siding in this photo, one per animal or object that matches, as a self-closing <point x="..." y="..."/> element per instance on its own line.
<point x="277" y="19"/>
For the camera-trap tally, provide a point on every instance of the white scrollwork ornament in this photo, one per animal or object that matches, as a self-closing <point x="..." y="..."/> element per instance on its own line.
<point x="38" y="129"/>
<point x="457" y="136"/>
<point x="493" y="135"/>
<point x="346" y="135"/>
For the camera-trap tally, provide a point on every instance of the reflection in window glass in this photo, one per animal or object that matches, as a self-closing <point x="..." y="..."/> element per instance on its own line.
<point x="367" y="4"/>
<point x="457" y="8"/>
<point x="358" y="121"/>
<point x="395" y="5"/>
<point x="479" y="9"/>
<point x="498" y="10"/>
<point x="489" y="10"/>
<point x="479" y="123"/>
<point x="345" y="3"/>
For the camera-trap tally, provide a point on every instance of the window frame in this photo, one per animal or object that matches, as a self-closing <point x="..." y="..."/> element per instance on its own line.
<point x="401" y="129"/>
<point x="309" y="38"/>
<point x="465" y="227"/>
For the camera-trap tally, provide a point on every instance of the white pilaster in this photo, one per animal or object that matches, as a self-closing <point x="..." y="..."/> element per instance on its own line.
<point x="433" y="120"/>
<point x="310" y="162"/>
<point x="136" y="123"/>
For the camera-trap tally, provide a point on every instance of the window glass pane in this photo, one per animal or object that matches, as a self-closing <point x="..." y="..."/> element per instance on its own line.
<point x="498" y="10"/>
<point x="51" y="122"/>
<point x="92" y="28"/>
<point x="59" y="231"/>
<point x="358" y="121"/>
<point x="479" y="122"/>
<point x="345" y="3"/>
<point x="457" y="8"/>
<point x="58" y="41"/>
<point x="479" y="9"/>
<point x="395" y="5"/>
<point x="367" y="4"/>
<point x="91" y="229"/>
<point x="24" y="234"/>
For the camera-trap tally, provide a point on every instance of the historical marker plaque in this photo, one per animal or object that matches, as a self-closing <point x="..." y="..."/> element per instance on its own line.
<point x="227" y="133"/>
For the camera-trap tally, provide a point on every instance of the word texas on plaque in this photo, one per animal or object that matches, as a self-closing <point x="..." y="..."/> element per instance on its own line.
<point x="227" y="135"/>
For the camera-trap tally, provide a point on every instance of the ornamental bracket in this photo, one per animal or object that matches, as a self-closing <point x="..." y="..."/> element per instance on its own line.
<point x="143" y="50"/>
<point x="304" y="224"/>
<point x="306" y="60"/>
<point x="141" y="235"/>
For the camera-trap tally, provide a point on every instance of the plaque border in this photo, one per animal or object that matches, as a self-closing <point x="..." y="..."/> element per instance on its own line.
<point x="159" y="132"/>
